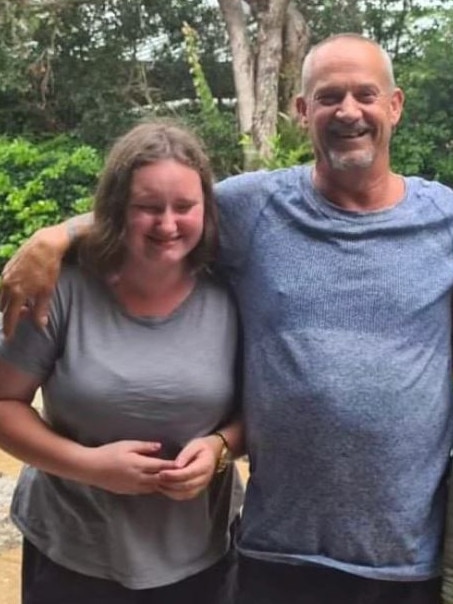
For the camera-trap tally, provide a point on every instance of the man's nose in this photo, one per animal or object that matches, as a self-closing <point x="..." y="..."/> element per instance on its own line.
<point x="349" y="109"/>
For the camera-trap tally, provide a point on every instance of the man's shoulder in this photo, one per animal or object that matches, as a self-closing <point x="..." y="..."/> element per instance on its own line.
<point x="423" y="186"/>
<point x="258" y="182"/>
<point x="430" y="193"/>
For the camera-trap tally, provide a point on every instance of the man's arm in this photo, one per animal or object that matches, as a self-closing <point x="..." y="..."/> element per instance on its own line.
<point x="29" y="277"/>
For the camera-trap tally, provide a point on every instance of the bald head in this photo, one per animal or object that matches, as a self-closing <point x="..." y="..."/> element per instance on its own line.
<point x="341" y="39"/>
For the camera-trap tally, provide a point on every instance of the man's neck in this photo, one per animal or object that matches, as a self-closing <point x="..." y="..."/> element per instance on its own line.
<point x="360" y="190"/>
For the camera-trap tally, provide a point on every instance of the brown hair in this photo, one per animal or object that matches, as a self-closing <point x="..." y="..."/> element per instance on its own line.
<point x="103" y="250"/>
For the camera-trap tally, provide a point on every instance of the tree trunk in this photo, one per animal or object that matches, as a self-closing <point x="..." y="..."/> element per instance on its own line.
<point x="281" y="40"/>
<point x="295" y="43"/>
<point x="271" y="18"/>
<point x="243" y="69"/>
<point x="243" y="72"/>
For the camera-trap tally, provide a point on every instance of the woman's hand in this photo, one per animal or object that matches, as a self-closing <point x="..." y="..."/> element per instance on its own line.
<point x="126" y="467"/>
<point x="194" y="468"/>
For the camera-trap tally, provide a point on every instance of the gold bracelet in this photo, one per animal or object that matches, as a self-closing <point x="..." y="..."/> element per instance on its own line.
<point x="223" y="439"/>
<point x="225" y="457"/>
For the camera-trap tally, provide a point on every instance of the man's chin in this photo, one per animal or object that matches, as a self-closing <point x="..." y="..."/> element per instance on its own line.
<point x="350" y="161"/>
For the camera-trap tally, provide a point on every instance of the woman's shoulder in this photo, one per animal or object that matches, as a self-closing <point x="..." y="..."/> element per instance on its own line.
<point x="216" y="289"/>
<point x="211" y="280"/>
<point x="76" y="282"/>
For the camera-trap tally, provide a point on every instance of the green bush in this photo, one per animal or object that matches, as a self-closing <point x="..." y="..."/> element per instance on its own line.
<point x="290" y="147"/>
<point x="41" y="184"/>
<point x="216" y="127"/>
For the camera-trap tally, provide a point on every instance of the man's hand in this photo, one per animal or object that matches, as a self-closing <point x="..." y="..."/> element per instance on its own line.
<point x="29" y="278"/>
<point x="125" y="467"/>
<point x="194" y="469"/>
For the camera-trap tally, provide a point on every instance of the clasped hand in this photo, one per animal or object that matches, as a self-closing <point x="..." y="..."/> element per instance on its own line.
<point x="134" y="468"/>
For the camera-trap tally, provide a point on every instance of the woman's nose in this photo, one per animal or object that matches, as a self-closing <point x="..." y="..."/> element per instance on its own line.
<point x="166" y="221"/>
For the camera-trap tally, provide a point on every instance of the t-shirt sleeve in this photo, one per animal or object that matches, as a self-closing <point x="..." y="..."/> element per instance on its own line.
<point x="240" y="201"/>
<point x="32" y="349"/>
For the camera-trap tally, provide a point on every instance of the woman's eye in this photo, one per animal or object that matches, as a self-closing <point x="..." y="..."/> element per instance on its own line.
<point x="148" y="209"/>
<point x="183" y="208"/>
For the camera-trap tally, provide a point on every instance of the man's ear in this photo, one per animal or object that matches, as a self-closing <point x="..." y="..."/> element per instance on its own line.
<point x="301" y="106"/>
<point x="396" y="104"/>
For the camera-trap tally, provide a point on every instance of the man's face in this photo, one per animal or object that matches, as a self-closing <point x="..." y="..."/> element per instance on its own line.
<point x="349" y="106"/>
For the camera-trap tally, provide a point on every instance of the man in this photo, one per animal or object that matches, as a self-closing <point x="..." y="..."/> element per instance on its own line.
<point x="343" y="272"/>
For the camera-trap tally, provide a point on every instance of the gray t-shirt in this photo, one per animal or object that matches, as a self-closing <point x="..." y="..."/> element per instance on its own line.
<point x="110" y="376"/>
<point x="347" y="379"/>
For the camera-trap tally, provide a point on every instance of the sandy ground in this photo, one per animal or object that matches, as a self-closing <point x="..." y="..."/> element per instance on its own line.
<point x="10" y="551"/>
<point x="10" y="540"/>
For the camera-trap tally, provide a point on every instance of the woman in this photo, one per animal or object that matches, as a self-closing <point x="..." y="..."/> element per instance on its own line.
<point x="121" y="501"/>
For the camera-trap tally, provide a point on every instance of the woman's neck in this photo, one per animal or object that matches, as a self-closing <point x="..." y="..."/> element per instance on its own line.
<point x="152" y="292"/>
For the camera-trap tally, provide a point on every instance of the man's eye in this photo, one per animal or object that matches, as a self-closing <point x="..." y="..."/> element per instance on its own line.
<point x="327" y="99"/>
<point x="366" y="97"/>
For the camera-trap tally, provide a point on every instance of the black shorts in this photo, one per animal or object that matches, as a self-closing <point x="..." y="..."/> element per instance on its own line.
<point x="272" y="583"/>
<point x="44" y="582"/>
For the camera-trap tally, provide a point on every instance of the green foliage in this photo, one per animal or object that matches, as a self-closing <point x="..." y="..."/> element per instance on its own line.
<point x="327" y="17"/>
<point x="290" y="147"/>
<point x="41" y="184"/>
<point x="395" y="24"/>
<point x="215" y="126"/>
<point x="89" y="67"/>
<point x="423" y="143"/>
<point x="92" y="68"/>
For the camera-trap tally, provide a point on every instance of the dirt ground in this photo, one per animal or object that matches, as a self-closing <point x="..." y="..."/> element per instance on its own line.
<point x="10" y="540"/>
<point x="10" y="550"/>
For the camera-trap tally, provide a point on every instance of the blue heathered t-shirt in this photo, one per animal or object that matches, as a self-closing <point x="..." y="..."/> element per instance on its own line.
<point x="347" y="372"/>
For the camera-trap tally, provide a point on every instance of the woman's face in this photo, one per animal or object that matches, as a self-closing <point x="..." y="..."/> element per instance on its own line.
<point x="164" y="219"/>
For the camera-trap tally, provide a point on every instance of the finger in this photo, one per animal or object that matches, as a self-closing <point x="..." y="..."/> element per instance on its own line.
<point x="188" y="454"/>
<point x="155" y="466"/>
<point x="183" y="487"/>
<point x="148" y="483"/>
<point x="143" y="447"/>
<point x="11" y="316"/>
<point x="186" y="487"/>
<point x="181" y="475"/>
<point x="24" y="312"/>
<point x="41" y="309"/>
<point x="3" y="300"/>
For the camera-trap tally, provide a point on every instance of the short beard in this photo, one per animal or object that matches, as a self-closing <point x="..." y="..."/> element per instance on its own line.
<point x="345" y="161"/>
